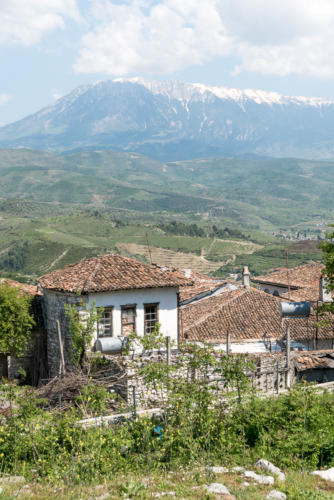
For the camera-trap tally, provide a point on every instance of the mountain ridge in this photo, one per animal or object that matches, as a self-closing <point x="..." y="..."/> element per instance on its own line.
<point x="176" y="120"/>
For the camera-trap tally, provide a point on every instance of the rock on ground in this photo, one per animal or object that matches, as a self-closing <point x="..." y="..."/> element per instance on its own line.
<point x="237" y="468"/>
<point x="328" y="474"/>
<point x="165" y="493"/>
<point x="259" y="478"/>
<point x="276" y="495"/>
<point x="269" y="467"/>
<point x="12" y="479"/>
<point x="219" y="470"/>
<point x="217" y="489"/>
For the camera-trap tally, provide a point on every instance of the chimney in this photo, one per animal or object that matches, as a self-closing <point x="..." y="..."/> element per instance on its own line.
<point x="324" y="294"/>
<point x="245" y="277"/>
<point x="187" y="273"/>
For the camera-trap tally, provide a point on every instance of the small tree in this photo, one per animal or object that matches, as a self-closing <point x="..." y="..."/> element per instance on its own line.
<point x="16" y="322"/>
<point x="83" y="325"/>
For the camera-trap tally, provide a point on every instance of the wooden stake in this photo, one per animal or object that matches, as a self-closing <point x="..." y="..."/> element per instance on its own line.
<point x="62" y="369"/>
<point x="228" y="343"/>
<point x="168" y="350"/>
<point x="288" y="351"/>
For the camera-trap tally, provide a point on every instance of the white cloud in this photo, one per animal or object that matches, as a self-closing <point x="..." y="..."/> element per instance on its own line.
<point x="151" y="37"/>
<point x="4" y="98"/>
<point x="164" y="36"/>
<point x="283" y="37"/>
<point x="24" y="22"/>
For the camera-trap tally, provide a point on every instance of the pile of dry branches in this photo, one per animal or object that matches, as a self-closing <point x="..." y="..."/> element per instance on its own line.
<point x="61" y="391"/>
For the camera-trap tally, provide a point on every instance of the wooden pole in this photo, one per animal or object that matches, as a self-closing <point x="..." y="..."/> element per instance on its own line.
<point x="61" y="350"/>
<point x="228" y="343"/>
<point x="277" y="377"/>
<point x="288" y="352"/>
<point x="168" y="350"/>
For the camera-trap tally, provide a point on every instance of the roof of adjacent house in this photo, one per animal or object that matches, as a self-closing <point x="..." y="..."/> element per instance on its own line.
<point x="110" y="273"/>
<point x="248" y="314"/>
<point x="303" y="276"/>
<point x="202" y="284"/>
<point x="24" y="287"/>
<point x="314" y="360"/>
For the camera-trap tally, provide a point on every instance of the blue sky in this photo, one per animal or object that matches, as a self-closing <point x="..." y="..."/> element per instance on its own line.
<point x="48" y="47"/>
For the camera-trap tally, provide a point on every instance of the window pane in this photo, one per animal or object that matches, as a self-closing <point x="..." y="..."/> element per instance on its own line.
<point x="105" y="324"/>
<point x="128" y="320"/>
<point x="150" y="318"/>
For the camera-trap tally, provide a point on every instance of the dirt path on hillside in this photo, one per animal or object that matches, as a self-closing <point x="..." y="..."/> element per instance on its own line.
<point x="58" y="259"/>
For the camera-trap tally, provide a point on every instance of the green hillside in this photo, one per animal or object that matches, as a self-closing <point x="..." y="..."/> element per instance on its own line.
<point x="213" y="215"/>
<point x="266" y="194"/>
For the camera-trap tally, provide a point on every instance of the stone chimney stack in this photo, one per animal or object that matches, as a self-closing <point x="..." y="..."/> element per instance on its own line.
<point x="246" y="277"/>
<point x="324" y="294"/>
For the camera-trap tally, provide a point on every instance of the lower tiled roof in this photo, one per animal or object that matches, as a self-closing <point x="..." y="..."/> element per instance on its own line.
<point x="24" y="287"/>
<point x="248" y="314"/>
<point x="314" y="360"/>
<point x="306" y="275"/>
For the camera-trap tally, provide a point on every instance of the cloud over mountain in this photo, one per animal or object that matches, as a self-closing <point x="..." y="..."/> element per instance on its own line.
<point x="24" y="22"/>
<point x="165" y="36"/>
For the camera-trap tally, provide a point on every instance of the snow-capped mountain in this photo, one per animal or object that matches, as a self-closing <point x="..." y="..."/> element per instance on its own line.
<point x="175" y="120"/>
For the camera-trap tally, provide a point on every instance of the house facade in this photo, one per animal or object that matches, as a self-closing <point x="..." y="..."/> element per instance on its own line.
<point x="134" y="297"/>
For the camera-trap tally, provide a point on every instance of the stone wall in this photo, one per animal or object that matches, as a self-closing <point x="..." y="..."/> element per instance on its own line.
<point x="263" y="378"/>
<point x="55" y="309"/>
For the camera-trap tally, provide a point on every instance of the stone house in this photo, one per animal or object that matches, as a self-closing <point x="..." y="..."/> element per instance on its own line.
<point x="134" y="297"/>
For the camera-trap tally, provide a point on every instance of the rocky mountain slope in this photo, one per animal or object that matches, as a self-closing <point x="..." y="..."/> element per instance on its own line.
<point x="174" y="120"/>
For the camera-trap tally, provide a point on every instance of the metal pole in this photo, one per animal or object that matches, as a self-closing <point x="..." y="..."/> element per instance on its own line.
<point x="228" y="343"/>
<point x="61" y="350"/>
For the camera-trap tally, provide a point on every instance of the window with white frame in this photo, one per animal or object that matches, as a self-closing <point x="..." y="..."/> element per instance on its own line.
<point x="150" y="317"/>
<point x="105" y="323"/>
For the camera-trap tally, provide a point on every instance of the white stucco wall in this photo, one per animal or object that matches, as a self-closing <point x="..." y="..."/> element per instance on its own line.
<point x="272" y="289"/>
<point x="166" y="297"/>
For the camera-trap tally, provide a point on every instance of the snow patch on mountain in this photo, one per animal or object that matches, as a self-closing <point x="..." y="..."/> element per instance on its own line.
<point x="200" y="92"/>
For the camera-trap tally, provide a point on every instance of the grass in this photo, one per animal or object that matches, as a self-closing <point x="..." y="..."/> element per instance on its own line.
<point x="179" y="483"/>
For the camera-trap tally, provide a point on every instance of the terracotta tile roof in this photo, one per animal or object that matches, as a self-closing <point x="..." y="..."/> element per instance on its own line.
<point x="201" y="284"/>
<point x="308" y="293"/>
<point x="303" y="276"/>
<point x="305" y="329"/>
<point x="24" y="287"/>
<point x="247" y="313"/>
<point x="314" y="360"/>
<point x="108" y="273"/>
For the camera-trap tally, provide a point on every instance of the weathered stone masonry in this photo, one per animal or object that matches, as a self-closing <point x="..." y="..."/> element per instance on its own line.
<point x="268" y="369"/>
<point x="55" y="309"/>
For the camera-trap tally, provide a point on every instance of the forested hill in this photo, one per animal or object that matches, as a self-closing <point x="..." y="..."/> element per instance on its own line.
<point x="266" y="194"/>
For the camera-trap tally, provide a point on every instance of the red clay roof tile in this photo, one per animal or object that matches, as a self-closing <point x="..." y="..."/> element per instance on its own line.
<point x="110" y="273"/>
